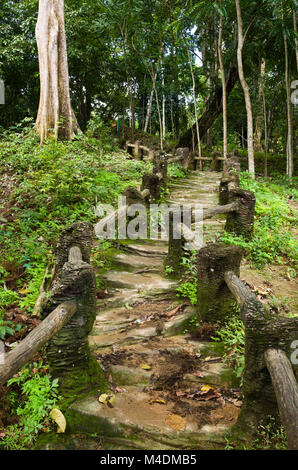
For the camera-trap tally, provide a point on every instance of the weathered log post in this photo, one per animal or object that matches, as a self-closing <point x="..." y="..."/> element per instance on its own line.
<point x="176" y="242"/>
<point x="215" y="301"/>
<point x="216" y="163"/>
<point x="137" y="151"/>
<point x="153" y="183"/>
<point x="160" y="167"/>
<point x="241" y="221"/>
<point x="187" y="158"/>
<point x="262" y="333"/>
<point x="230" y="179"/>
<point x="68" y="353"/>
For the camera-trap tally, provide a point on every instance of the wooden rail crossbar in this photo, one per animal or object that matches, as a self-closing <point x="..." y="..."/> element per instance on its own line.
<point x="35" y="340"/>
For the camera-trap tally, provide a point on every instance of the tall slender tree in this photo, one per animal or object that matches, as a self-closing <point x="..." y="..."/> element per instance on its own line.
<point x="250" y="138"/>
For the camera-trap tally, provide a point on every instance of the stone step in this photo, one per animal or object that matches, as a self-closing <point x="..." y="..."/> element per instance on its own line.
<point x="135" y="413"/>
<point x="132" y="280"/>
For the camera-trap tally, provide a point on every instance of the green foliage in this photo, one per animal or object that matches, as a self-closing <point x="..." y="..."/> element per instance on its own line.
<point x="36" y="275"/>
<point x="189" y="291"/>
<point x="7" y="297"/>
<point x="270" y="436"/>
<point x="273" y="239"/>
<point x="188" y="285"/>
<point x="176" y="171"/>
<point x="232" y="336"/>
<point x="39" y="394"/>
<point x="50" y="187"/>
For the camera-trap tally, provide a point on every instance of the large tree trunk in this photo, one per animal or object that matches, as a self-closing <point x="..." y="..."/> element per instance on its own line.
<point x="55" y="115"/>
<point x="213" y="110"/>
<point x="224" y="94"/>
<point x="250" y="137"/>
<point x="289" y="107"/>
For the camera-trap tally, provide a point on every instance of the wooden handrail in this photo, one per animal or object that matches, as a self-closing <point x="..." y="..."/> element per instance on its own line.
<point x="238" y="289"/>
<point x="216" y="210"/>
<point x="277" y="363"/>
<point x="34" y="341"/>
<point x="286" y="392"/>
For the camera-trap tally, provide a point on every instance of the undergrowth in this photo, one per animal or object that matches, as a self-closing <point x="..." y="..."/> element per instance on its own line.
<point x="32" y="396"/>
<point x="274" y="237"/>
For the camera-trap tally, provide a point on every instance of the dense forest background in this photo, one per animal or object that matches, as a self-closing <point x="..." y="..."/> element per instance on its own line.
<point x="154" y="65"/>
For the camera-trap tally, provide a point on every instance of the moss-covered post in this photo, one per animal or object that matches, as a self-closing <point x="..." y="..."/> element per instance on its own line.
<point x="216" y="163"/>
<point x="137" y="150"/>
<point x="160" y="167"/>
<point x="176" y="242"/>
<point x="241" y="222"/>
<point x="153" y="183"/>
<point x="215" y="301"/>
<point x="230" y="179"/>
<point x="68" y="352"/>
<point x="261" y="333"/>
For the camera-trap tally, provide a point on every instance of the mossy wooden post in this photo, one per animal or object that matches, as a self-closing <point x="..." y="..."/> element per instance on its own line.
<point x="241" y="222"/>
<point x="216" y="164"/>
<point x="68" y="353"/>
<point x="187" y="158"/>
<point x="215" y="301"/>
<point x="137" y="150"/>
<point x="160" y="167"/>
<point x="262" y="333"/>
<point x="153" y="183"/>
<point x="176" y="242"/>
<point x="230" y="179"/>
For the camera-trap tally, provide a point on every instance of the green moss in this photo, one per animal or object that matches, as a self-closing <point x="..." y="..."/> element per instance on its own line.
<point x="82" y="382"/>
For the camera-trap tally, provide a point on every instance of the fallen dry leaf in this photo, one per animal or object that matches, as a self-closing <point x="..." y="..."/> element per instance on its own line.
<point x="145" y="367"/>
<point x="161" y="402"/>
<point x="107" y="400"/>
<point x="59" y="419"/>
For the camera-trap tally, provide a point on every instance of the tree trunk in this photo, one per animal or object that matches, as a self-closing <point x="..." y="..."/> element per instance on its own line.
<point x="296" y="40"/>
<point x="224" y="92"/>
<point x="250" y="142"/>
<point x="149" y="107"/>
<point x="55" y="115"/>
<point x="163" y="106"/>
<point x="213" y="110"/>
<point x="266" y="135"/>
<point x="289" y="108"/>
<point x="258" y="130"/>
<point x="195" y="101"/>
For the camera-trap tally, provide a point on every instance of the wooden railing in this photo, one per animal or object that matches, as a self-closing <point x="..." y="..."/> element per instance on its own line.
<point x="271" y="352"/>
<point x="68" y="316"/>
<point x="142" y="152"/>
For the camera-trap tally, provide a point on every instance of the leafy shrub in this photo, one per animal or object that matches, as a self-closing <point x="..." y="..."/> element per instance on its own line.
<point x="232" y="336"/>
<point x="188" y="285"/>
<point x="39" y="395"/>
<point x="272" y="238"/>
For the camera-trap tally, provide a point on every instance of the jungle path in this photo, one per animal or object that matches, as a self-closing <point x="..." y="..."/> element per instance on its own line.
<point x="172" y="389"/>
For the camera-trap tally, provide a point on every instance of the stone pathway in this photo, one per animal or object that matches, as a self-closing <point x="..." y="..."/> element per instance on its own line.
<point x="171" y="390"/>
